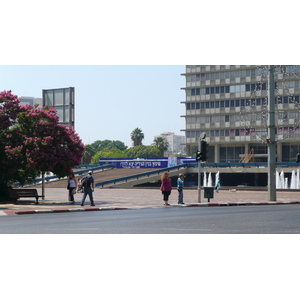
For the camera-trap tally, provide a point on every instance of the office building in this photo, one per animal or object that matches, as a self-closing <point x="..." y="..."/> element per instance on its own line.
<point x="229" y="104"/>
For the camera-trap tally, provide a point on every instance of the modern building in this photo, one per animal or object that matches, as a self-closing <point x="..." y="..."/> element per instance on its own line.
<point x="229" y="104"/>
<point x="176" y="142"/>
<point x="31" y="101"/>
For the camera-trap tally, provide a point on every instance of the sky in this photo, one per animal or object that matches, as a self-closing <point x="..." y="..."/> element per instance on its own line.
<point x="110" y="100"/>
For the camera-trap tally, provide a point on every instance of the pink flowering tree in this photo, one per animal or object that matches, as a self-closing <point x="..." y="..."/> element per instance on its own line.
<point x="32" y="141"/>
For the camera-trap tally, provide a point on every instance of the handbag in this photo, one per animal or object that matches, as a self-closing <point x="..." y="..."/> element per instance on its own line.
<point x="68" y="186"/>
<point x="73" y="191"/>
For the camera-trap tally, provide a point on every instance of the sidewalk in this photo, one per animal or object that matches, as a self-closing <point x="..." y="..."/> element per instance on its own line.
<point x="56" y="200"/>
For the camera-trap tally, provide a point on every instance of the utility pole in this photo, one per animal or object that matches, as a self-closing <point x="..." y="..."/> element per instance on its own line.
<point x="199" y="173"/>
<point x="271" y="137"/>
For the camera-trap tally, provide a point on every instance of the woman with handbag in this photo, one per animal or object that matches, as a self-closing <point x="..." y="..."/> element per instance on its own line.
<point x="72" y="187"/>
<point x="166" y="187"/>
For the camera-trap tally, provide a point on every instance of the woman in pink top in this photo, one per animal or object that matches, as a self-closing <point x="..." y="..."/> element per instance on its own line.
<point x="166" y="187"/>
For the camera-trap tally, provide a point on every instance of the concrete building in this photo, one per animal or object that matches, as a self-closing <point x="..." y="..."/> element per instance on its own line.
<point x="31" y="101"/>
<point x="176" y="142"/>
<point x="229" y="103"/>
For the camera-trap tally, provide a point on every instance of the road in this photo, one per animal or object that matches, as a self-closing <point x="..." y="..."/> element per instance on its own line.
<point x="269" y="219"/>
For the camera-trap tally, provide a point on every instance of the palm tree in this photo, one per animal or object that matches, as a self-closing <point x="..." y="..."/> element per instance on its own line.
<point x="137" y="136"/>
<point x="162" y="144"/>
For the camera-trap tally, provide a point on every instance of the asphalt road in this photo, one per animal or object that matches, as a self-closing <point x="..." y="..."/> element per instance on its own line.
<point x="279" y="219"/>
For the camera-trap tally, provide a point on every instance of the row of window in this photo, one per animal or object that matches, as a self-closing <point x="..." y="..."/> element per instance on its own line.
<point x="240" y="73"/>
<point x="242" y="132"/>
<point x="240" y="102"/>
<point x="257" y="116"/>
<point x="227" y="89"/>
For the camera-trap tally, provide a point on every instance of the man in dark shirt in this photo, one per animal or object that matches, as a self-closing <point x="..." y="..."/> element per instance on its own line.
<point x="88" y="189"/>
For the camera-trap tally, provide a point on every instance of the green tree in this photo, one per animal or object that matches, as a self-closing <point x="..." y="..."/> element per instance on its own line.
<point x="107" y="153"/>
<point x="137" y="136"/>
<point x="89" y="152"/>
<point x="108" y="144"/>
<point x="161" y="144"/>
<point x="142" y="151"/>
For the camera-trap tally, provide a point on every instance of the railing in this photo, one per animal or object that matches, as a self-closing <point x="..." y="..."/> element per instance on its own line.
<point x="93" y="168"/>
<point x="244" y="165"/>
<point x="140" y="175"/>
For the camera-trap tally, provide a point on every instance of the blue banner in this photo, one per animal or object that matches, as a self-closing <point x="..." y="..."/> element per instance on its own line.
<point x="146" y="163"/>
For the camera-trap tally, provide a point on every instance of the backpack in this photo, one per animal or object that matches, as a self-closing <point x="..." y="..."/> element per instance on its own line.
<point x="85" y="182"/>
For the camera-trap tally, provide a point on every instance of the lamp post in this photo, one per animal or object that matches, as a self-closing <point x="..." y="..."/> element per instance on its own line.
<point x="271" y="143"/>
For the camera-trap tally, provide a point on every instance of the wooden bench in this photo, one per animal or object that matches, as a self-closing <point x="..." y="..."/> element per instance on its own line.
<point x="24" y="193"/>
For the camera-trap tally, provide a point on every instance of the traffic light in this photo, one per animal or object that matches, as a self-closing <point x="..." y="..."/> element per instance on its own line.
<point x="198" y="156"/>
<point x="203" y="156"/>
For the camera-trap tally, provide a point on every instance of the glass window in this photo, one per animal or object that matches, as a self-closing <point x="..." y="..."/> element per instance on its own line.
<point x="222" y="103"/>
<point x="59" y="97"/>
<point x="212" y="90"/>
<point x="237" y="103"/>
<point x="222" y="89"/>
<point x="212" y="104"/>
<point x="231" y="103"/>
<point x="226" y="89"/>
<point x="217" y="104"/>
<point x="198" y="105"/>
<point x="206" y="104"/>
<point x="202" y="105"/>
<point x="49" y="98"/>
<point x="227" y="118"/>
<point x="227" y="103"/>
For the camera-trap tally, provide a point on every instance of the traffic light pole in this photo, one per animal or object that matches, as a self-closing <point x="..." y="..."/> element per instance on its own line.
<point x="199" y="174"/>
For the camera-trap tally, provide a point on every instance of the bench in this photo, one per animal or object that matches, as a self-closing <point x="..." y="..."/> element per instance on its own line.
<point x="15" y="194"/>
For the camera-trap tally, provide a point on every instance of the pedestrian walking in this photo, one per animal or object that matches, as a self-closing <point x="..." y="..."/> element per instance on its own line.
<point x="166" y="187"/>
<point x="87" y="183"/>
<point x="218" y="185"/>
<point x="180" y="184"/>
<point x="71" y="187"/>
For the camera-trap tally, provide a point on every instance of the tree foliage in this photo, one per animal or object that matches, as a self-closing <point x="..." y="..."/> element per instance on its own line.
<point x="161" y="144"/>
<point x="108" y="144"/>
<point x="137" y="136"/>
<point x="107" y="153"/>
<point x="142" y="151"/>
<point x="32" y="141"/>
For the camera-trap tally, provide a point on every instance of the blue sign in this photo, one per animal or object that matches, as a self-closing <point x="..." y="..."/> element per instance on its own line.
<point x="146" y="163"/>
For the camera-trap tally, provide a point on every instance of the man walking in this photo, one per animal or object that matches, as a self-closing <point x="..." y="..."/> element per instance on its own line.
<point x="88" y="188"/>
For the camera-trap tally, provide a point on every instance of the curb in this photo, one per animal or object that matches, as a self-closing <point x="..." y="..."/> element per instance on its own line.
<point x="23" y="212"/>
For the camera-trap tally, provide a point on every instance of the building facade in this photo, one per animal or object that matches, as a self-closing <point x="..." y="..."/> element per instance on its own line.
<point x="176" y="142"/>
<point x="229" y="104"/>
<point x="31" y="101"/>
